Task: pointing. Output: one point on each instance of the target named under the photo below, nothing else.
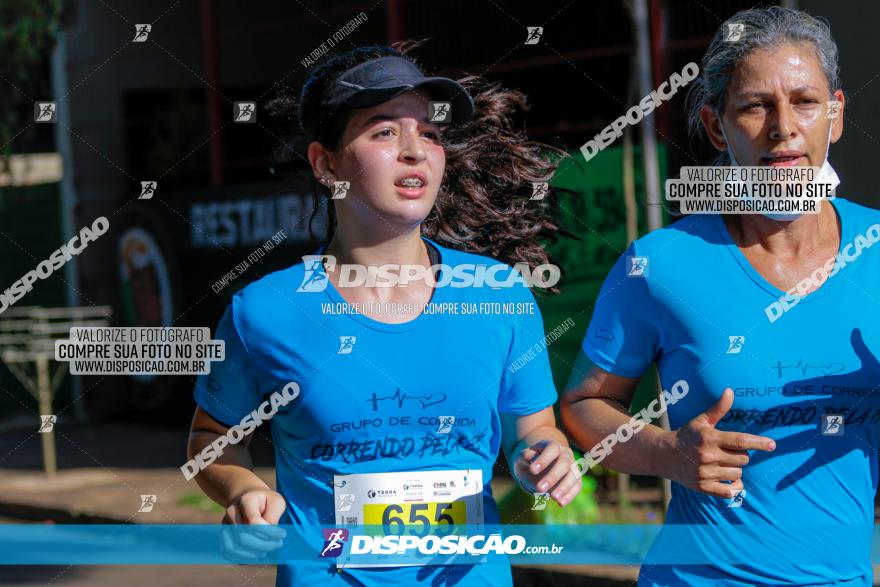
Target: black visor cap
(379, 80)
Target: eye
(385, 132)
(755, 105)
(432, 134)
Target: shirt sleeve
(527, 382)
(231, 390)
(623, 335)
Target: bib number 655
(397, 517)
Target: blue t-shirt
(371, 394)
(686, 298)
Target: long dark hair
(483, 205)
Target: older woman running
(771, 320)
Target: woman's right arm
(595, 404)
(230, 480)
(697, 455)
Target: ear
(321, 160)
(712, 124)
(837, 123)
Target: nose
(411, 148)
(782, 126)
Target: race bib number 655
(413, 503)
(395, 517)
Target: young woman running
(404, 393)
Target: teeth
(411, 182)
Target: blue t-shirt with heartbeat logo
(804, 372)
(373, 395)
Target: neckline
(437, 296)
(759, 279)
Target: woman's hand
(546, 467)
(255, 507)
(704, 459)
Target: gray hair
(763, 28)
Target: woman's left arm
(539, 456)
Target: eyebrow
(381, 117)
(758, 94)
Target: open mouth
(410, 182)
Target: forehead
(788, 66)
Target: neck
(784, 239)
(367, 247)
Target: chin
(410, 208)
(401, 213)
(411, 216)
